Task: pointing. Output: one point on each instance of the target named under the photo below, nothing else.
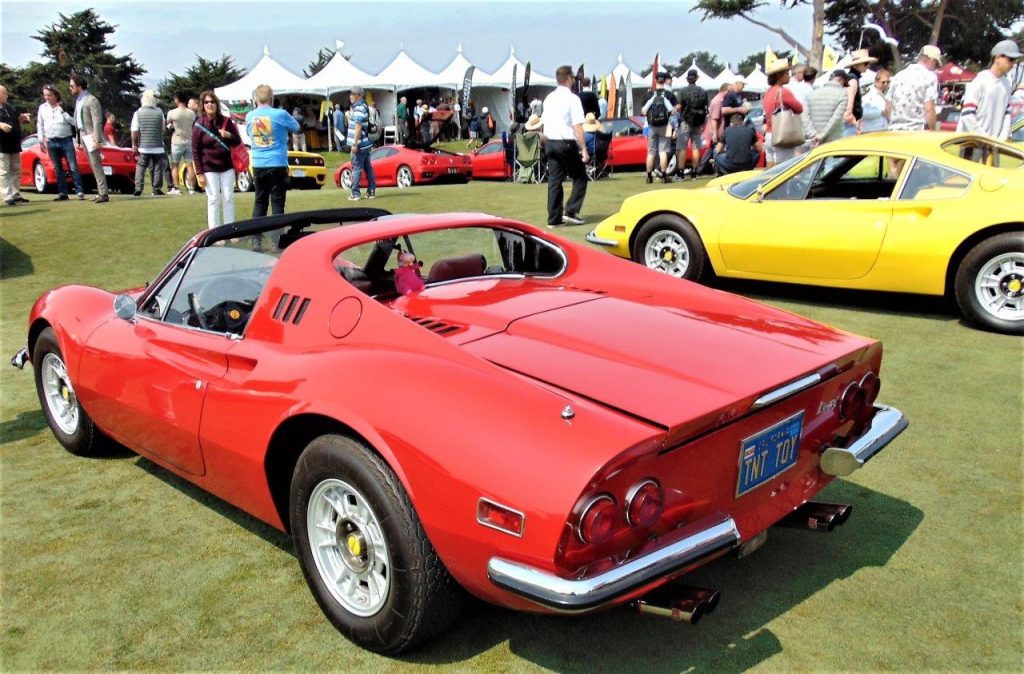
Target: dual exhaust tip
(686, 603)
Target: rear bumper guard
(887, 423)
(19, 359)
(679, 549)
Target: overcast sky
(165, 35)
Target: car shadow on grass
(793, 566)
(15, 262)
(25, 425)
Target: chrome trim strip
(593, 238)
(887, 423)
(19, 359)
(786, 391)
(681, 548)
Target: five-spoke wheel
(989, 283)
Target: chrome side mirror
(758, 196)
(125, 308)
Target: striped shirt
(986, 106)
(359, 114)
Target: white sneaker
(353, 197)
(191, 191)
(173, 190)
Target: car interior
(841, 177)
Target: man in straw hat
(913, 92)
(854, 109)
(986, 106)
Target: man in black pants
(566, 150)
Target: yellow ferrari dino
(930, 213)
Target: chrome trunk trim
(789, 389)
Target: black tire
(421, 598)
(675, 248)
(998, 304)
(78, 435)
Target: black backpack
(657, 114)
(696, 111)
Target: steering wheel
(223, 302)
(228, 316)
(193, 304)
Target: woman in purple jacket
(213, 136)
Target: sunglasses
(209, 102)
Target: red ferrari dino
(545, 426)
(397, 165)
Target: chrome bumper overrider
(887, 423)
(593, 238)
(19, 359)
(681, 548)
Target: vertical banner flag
(512, 95)
(629, 93)
(654, 73)
(467, 86)
(828, 60)
(612, 96)
(526, 87)
(623, 95)
(578, 86)
(769, 57)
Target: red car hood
(662, 364)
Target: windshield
(745, 188)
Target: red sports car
(489, 162)
(37, 170)
(548, 427)
(402, 166)
(629, 146)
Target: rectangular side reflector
(502, 518)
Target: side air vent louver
(434, 325)
(290, 308)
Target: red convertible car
(37, 170)
(489, 162)
(547, 427)
(397, 165)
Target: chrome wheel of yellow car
(670, 245)
(990, 283)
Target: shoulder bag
(239, 153)
(787, 128)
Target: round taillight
(644, 504)
(598, 520)
(871, 385)
(851, 402)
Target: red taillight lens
(871, 385)
(852, 401)
(500, 517)
(644, 504)
(424, 159)
(598, 520)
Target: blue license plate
(769, 453)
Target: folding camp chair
(529, 162)
(597, 167)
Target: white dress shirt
(562, 111)
(53, 122)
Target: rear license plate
(108, 170)
(769, 453)
(298, 173)
(453, 170)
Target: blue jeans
(58, 149)
(361, 162)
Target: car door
(146, 380)
(489, 161)
(826, 220)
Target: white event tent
(727, 76)
(757, 81)
(266, 71)
(452, 75)
(491, 91)
(640, 85)
(704, 81)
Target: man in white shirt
(55, 130)
(799, 85)
(913, 92)
(876, 106)
(986, 105)
(566, 150)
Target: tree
(202, 75)
(744, 9)
(706, 61)
(77, 43)
(323, 57)
(964, 29)
(747, 64)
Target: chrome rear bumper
(679, 549)
(593, 238)
(19, 359)
(887, 423)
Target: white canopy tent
(704, 81)
(727, 76)
(452, 75)
(266, 71)
(757, 81)
(491, 91)
(339, 74)
(640, 85)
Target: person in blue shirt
(361, 143)
(268, 129)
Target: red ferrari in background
(489, 162)
(397, 165)
(545, 426)
(38, 171)
(629, 146)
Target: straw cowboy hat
(861, 56)
(777, 66)
(533, 123)
(591, 124)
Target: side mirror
(758, 196)
(125, 308)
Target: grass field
(117, 564)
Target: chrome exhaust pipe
(823, 517)
(681, 603)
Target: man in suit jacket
(89, 119)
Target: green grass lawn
(117, 564)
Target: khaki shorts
(658, 141)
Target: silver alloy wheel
(404, 177)
(39, 177)
(348, 546)
(59, 394)
(346, 179)
(999, 286)
(666, 251)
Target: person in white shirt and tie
(566, 150)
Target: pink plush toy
(407, 276)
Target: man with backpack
(658, 108)
(695, 115)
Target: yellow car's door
(825, 221)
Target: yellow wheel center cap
(235, 314)
(64, 393)
(668, 256)
(1015, 285)
(355, 547)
